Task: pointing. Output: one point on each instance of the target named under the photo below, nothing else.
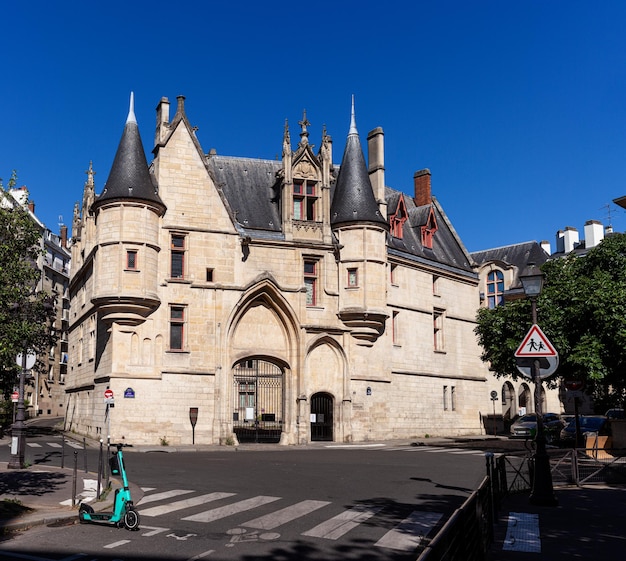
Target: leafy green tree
(582, 310)
(25, 312)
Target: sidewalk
(588, 523)
(47, 491)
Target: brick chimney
(421, 181)
(31, 206)
(63, 236)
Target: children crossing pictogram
(535, 344)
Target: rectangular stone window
(177, 252)
(310, 281)
(438, 339)
(393, 274)
(395, 339)
(177, 327)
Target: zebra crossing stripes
(229, 510)
(341, 524)
(54, 444)
(280, 517)
(163, 496)
(410, 532)
(405, 536)
(180, 505)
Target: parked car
(614, 414)
(526, 426)
(588, 423)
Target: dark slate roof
(251, 188)
(518, 255)
(129, 177)
(447, 249)
(353, 198)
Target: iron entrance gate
(322, 416)
(258, 401)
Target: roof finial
(304, 134)
(353, 120)
(131, 112)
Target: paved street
(367, 503)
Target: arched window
(495, 289)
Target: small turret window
(353, 278)
(131, 260)
(304, 199)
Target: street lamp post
(542, 491)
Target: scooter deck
(100, 516)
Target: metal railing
(468, 533)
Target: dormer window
(397, 220)
(429, 229)
(304, 199)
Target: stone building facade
(228, 299)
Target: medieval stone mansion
(227, 299)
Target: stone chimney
(162, 120)
(594, 233)
(376, 159)
(567, 240)
(545, 245)
(421, 182)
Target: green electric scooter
(124, 514)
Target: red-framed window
(353, 277)
(304, 199)
(397, 220)
(311, 281)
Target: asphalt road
(370, 504)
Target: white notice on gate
(313, 418)
(249, 413)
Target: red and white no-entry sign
(108, 394)
(15, 397)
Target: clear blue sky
(516, 107)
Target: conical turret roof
(354, 197)
(129, 177)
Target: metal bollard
(74, 477)
(85, 452)
(62, 451)
(99, 471)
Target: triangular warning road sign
(535, 344)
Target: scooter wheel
(84, 509)
(131, 519)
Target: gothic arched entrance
(322, 416)
(258, 407)
(525, 400)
